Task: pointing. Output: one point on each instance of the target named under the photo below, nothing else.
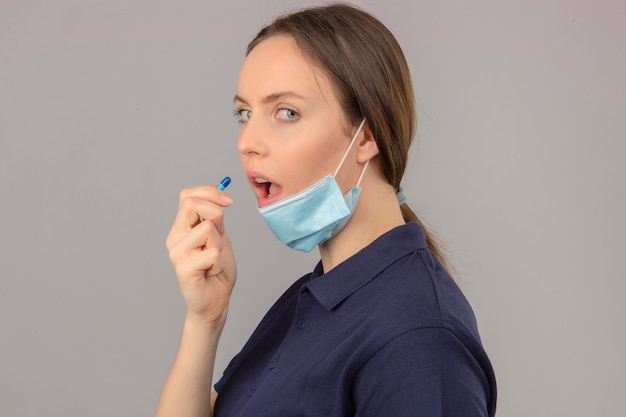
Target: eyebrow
(272, 97)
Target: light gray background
(108, 108)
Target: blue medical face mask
(314, 215)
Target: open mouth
(264, 187)
(267, 191)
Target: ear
(366, 145)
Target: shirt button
(301, 324)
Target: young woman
(379, 328)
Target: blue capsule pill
(223, 184)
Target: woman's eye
(287, 114)
(242, 115)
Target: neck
(376, 213)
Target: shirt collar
(339, 283)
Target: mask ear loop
(345, 155)
(362, 173)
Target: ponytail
(432, 241)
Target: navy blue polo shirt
(385, 333)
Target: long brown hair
(367, 67)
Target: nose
(251, 142)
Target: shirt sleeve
(219, 384)
(425, 372)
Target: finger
(209, 193)
(194, 202)
(197, 266)
(203, 236)
(214, 255)
(193, 208)
(198, 208)
(200, 266)
(188, 217)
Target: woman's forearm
(187, 390)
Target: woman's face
(293, 132)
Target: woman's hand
(202, 254)
(205, 266)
